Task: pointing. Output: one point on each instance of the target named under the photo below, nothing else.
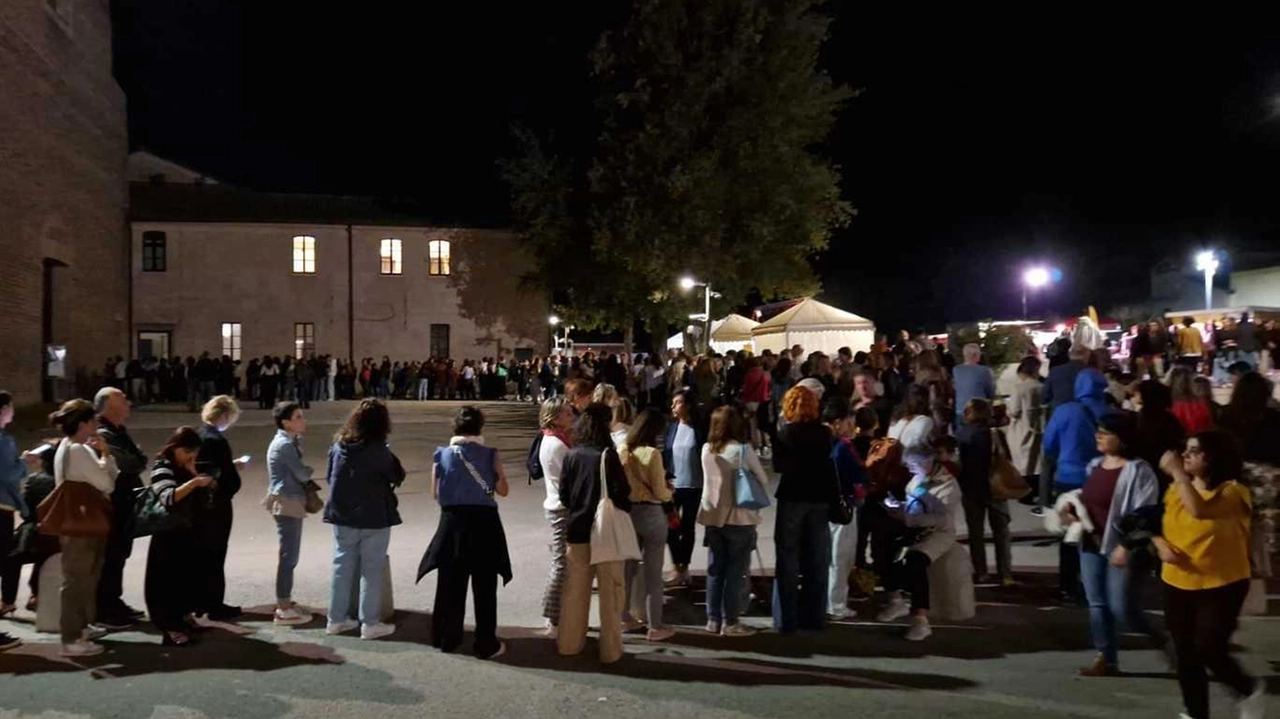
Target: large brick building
(63, 145)
(227, 270)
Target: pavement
(1016, 658)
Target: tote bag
(747, 491)
(75, 509)
(1006, 481)
(613, 536)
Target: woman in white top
(555, 419)
(82, 457)
(731, 530)
(914, 429)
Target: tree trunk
(628, 339)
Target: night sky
(973, 150)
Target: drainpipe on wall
(351, 299)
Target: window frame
(303, 253)
(390, 256)
(306, 342)
(153, 240)
(439, 264)
(232, 343)
(433, 346)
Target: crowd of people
(878, 454)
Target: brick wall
(242, 272)
(63, 145)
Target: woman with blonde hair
(605, 394)
(806, 490)
(217, 460)
(555, 420)
(624, 413)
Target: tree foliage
(703, 159)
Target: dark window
(154, 252)
(440, 340)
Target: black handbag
(840, 511)
(152, 516)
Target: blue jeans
(367, 550)
(1105, 587)
(804, 550)
(728, 563)
(289, 530)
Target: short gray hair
(100, 399)
(972, 350)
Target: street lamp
(1207, 262)
(687, 283)
(554, 320)
(1034, 279)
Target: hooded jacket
(1069, 438)
(362, 479)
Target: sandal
(176, 639)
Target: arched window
(438, 257)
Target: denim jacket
(1136, 487)
(12, 471)
(284, 466)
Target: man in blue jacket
(1058, 389)
(1069, 445)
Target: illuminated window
(438, 262)
(153, 251)
(231, 339)
(390, 258)
(304, 339)
(304, 255)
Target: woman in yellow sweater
(1205, 550)
(642, 461)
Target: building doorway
(153, 344)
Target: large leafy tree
(703, 158)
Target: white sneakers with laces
(896, 609)
(376, 631)
(342, 627)
(919, 630)
(82, 648)
(291, 616)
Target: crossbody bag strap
(475, 475)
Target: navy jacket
(1059, 388)
(362, 481)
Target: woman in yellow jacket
(642, 461)
(1205, 550)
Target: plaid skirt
(559, 521)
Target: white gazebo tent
(732, 333)
(815, 326)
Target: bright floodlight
(1036, 277)
(1207, 261)
(688, 283)
(554, 319)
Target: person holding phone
(82, 456)
(216, 459)
(286, 500)
(172, 582)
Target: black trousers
(171, 584)
(911, 575)
(119, 549)
(451, 607)
(212, 553)
(681, 540)
(1201, 623)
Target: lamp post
(688, 283)
(1033, 279)
(1207, 262)
(554, 320)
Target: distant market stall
(732, 333)
(815, 326)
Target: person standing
(1026, 424)
(215, 458)
(974, 442)
(113, 409)
(362, 507)
(1204, 545)
(642, 462)
(469, 544)
(331, 392)
(1193, 413)
(853, 485)
(591, 470)
(172, 580)
(682, 458)
(14, 468)
(286, 500)
(306, 382)
(555, 421)
(269, 380)
(82, 456)
(730, 530)
(806, 490)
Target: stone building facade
(242, 273)
(63, 146)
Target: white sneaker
(549, 630)
(920, 629)
(896, 609)
(839, 613)
(93, 631)
(1254, 706)
(376, 631)
(341, 627)
(291, 616)
(713, 627)
(81, 648)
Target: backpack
(885, 472)
(533, 463)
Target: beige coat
(1026, 426)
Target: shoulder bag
(748, 493)
(475, 475)
(1006, 481)
(841, 510)
(613, 536)
(152, 516)
(74, 509)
